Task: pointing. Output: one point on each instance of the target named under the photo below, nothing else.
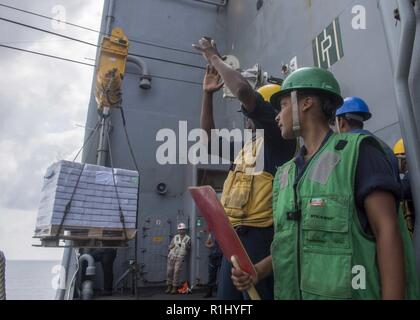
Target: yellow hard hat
(268, 90)
(399, 147)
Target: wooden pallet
(81, 233)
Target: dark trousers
(257, 242)
(214, 266)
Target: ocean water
(30, 280)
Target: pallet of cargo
(84, 202)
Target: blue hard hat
(354, 105)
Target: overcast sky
(43, 104)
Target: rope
(122, 218)
(2, 276)
(68, 205)
(92, 133)
(133, 158)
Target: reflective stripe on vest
(181, 245)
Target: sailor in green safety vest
(321, 248)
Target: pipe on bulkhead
(102, 151)
(145, 78)
(87, 291)
(110, 17)
(387, 7)
(413, 85)
(405, 107)
(65, 263)
(87, 285)
(91, 269)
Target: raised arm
(236, 83)
(211, 84)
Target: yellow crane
(109, 75)
(111, 69)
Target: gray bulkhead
(271, 36)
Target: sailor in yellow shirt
(247, 192)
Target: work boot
(209, 293)
(168, 289)
(174, 290)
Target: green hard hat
(311, 78)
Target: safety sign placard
(328, 46)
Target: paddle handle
(252, 292)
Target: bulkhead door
(154, 241)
